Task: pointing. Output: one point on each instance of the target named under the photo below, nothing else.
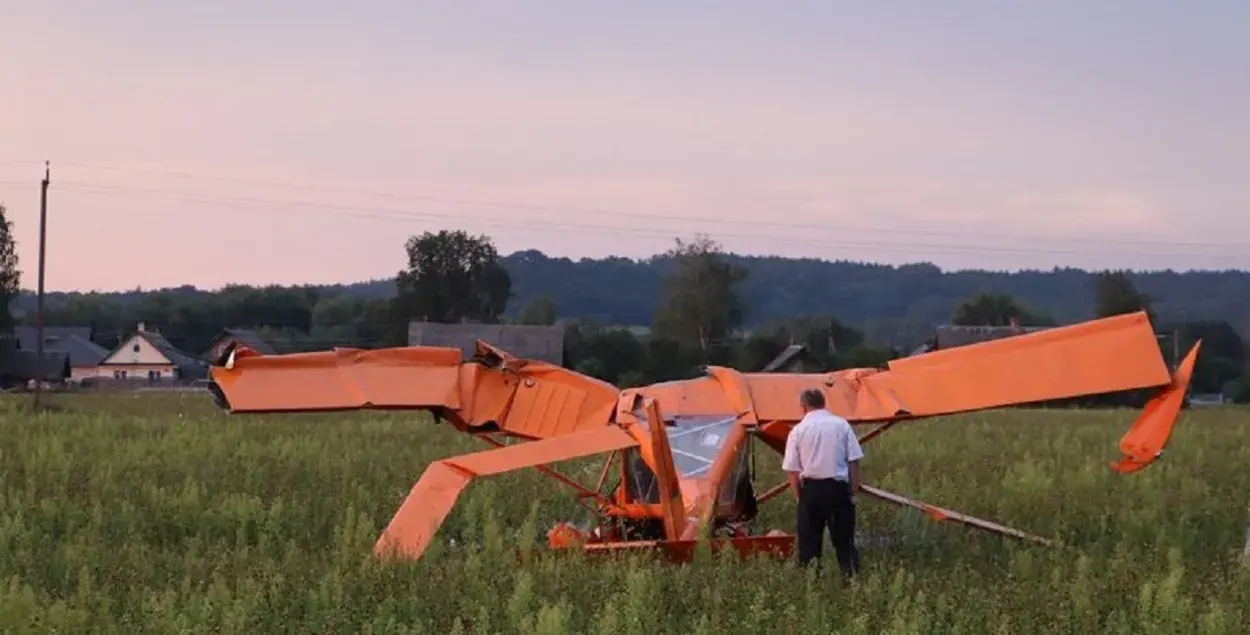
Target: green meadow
(160, 514)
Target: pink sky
(304, 141)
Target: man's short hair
(812, 398)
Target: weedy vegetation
(160, 514)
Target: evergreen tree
(10, 275)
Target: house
(794, 359)
(527, 341)
(241, 337)
(19, 367)
(148, 356)
(75, 341)
(955, 335)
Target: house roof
(188, 366)
(27, 334)
(171, 352)
(786, 360)
(247, 338)
(526, 341)
(951, 336)
(74, 341)
(20, 364)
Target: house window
(154, 375)
(136, 347)
(119, 374)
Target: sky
(289, 141)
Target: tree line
(632, 322)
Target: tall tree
(996, 309)
(699, 304)
(10, 275)
(540, 311)
(1115, 294)
(452, 277)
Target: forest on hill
(893, 305)
(635, 321)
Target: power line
(394, 214)
(664, 216)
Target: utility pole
(1176, 348)
(43, 242)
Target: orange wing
(529, 399)
(1113, 354)
(1108, 355)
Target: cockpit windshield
(695, 441)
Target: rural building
(954, 335)
(545, 343)
(242, 337)
(18, 367)
(148, 356)
(951, 336)
(794, 359)
(74, 341)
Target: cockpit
(696, 441)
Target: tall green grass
(159, 514)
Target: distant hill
(892, 303)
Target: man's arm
(853, 454)
(791, 463)
(793, 478)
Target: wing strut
(432, 498)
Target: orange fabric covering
(343, 378)
(1102, 356)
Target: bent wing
(1109, 355)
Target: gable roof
(188, 367)
(28, 335)
(74, 341)
(793, 356)
(175, 356)
(527, 341)
(16, 363)
(247, 338)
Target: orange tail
(1145, 440)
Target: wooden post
(43, 231)
(1176, 348)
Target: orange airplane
(679, 448)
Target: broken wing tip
(1129, 465)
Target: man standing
(822, 463)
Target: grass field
(160, 514)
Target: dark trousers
(827, 503)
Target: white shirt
(822, 445)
